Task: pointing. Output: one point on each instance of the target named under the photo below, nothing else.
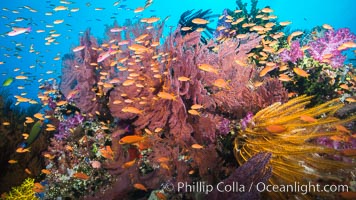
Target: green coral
(24, 191)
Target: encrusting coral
(289, 132)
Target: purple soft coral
(65, 126)
(325, 49)
(224, 127)
(292, 55)
(246, 120)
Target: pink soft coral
(325, 49)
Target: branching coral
(288, 131)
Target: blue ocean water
(40, 64)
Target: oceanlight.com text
(203, 187)
(301, 188)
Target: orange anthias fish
(265, 70)
(128, 164)
(197, 146)
(307, 118)
(130, 139)
(152, 20)
(276, 128)
(104, 55)
(78, 48)
(200, 21)
(45, 171)
(292, 35)
(81, 175)
(284, 77)
(165, 95)
(327, 27)
(267, 10)
(28, 171)
(196, 106)
(37, 187)
(183, 78)
(300, 72)
(286, 23)
(208, 68)
(140, 186)
(131, 110)
(12, 161)
(346, 45)
(194, 112)
(139, 9)
(221, 83)
(107, 153)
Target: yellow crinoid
(288, 131)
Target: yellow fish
(197, 146)
(12, 161)
(285, 23)
(327, 26)
(265, 70)
(220, 83)
(128, 82)
(196, 106)
(139, 9)
(200, 21)
(131, 110)
(186, 28)
(208, 68)
(193, 112)
(183, 78)
(267, 10)
(60, 8)
(165, 95)
(152, 20)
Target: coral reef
(137, 111)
